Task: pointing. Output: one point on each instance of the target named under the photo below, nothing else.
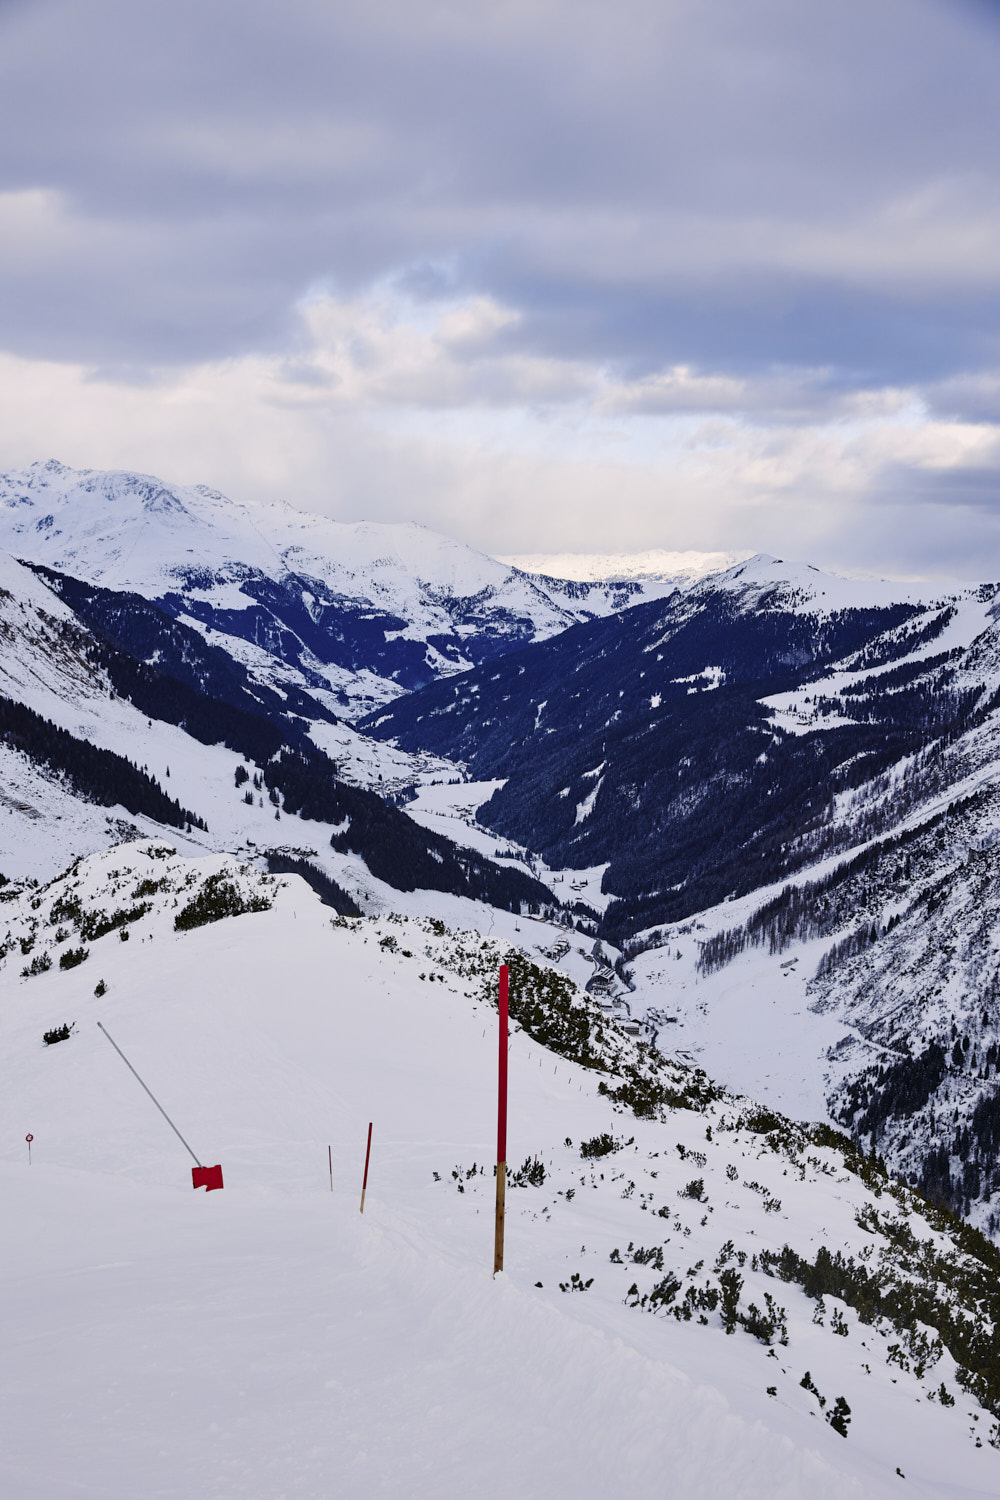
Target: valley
(735, 833)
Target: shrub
(840, 1416)
(599, 1145)
(72, 957)
(217, 898)
(531, 1174)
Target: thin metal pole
(368, 1152)
(156, 1101)
(329, 1152)
(501, 1124)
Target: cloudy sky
(544, 274)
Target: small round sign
(29, 1138)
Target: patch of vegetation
(576, 1283)
(218, 897)
(649, 1096)
(551, 1010)
(531, 1174)
(72, 957)
(38, 965)
(57, 1034)
(600, 1145)
(95, 924)
(956, 1295)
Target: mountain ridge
(359, 610)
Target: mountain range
(749, 818)
(358, 612)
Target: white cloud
(390, 410)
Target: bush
(840, 1417)
(217, 898)
(57, 1034)
(599, 1145)
(531, 1174)
(72, 957)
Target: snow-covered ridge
(364, 609)
(656, 565)
(766, 582)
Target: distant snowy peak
(135, 531)
(362, 609)
(758, 579)
(763, 582)
(678, 569)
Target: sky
(546, 275)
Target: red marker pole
(368, 1152)
(501, 1123)
(29, 1138)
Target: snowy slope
(55, 804)
(268, 1340)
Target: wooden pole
(329, 1152)
(368, 1152)
(501, 1123)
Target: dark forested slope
(641, 742)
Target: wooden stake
(498, 1232)
(501, 1123)
(329, 1152)
(368, 1152)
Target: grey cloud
(973, 397)
(216, 160)
(975, 485)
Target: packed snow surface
(268, 1340)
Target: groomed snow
(268, 1341)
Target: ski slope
(270, 1341)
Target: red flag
(206, 1177)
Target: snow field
(268, 1340)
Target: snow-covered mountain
(769, 801)
(704, 745)
(788, 785)
(656, 565)
(358, 611)
(99, 744)
(693, 1286)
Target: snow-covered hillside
(360, 609)
(97, 746)
(796, 777)
(703, 1296)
